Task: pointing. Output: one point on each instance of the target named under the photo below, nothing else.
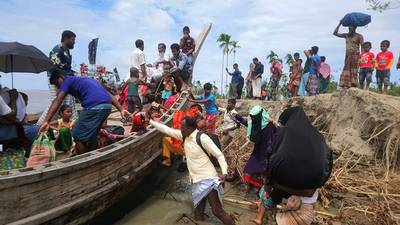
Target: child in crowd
(367, 65)
(105, 138)
(324, 75)
(155, 112)
(384, 61)
(169, 86)
(209, 101)
(133, 90)
(63, 126)
(229, 123)
(313, 83)
(295, 75)
(187, 44)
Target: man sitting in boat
(155, 70)
(13, 129)
(96, 102)
(181, 68)
(207, 185)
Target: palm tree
(235, 45)
(224, 41)
(289, 59)
(272, 56)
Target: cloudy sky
(260, 26)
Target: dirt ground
(363, 130)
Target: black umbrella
(16, 57)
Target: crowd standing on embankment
(275, 168)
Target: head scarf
(301, 159)
(259, 120)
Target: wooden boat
(76, 189)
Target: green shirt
(133, 88)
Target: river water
(157, 210)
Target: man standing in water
(138, 61)
(207, 185)
(62, 59)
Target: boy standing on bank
(384, 61)
(367, 65)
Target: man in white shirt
(229, 123)
(9, 124)
(138, 61)
(155, 70)
(207, 185)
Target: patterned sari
(349, 76)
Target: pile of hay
(363, 129)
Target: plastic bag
(42, 151)
(356, 19)
(12, 159)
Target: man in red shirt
(187, 44)
(384, 61)
(367, 64)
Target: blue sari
(303, 85)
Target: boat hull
(74, 190)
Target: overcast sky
(260, 26)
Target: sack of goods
(301, 159)
(356, 19)
(42, 151)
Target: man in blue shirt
(312, 86)
(182, 69)
(96, 102)
(209, 101)
(237, 82)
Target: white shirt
(198, 163)
(21, 107)
(137, 59)
(4, 108)
(228, 122)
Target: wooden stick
(241, 202)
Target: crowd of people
(275, 168)
(314, 77)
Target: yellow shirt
(198, 163)
(62, 124)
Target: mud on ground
(363, 129)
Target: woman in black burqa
(301, 163)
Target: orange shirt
(367, 60)
(384, 60)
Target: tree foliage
(378, 5)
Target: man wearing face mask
(62, 59)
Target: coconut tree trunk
(222, 73)
(234, 56)
(226, 74)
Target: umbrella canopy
(16, 57)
